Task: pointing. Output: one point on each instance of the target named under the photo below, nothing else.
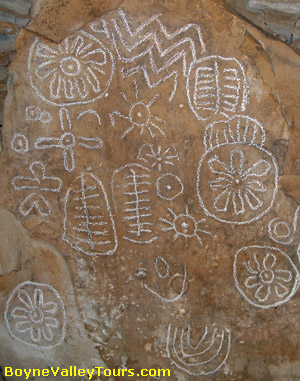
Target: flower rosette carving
(241, 175)
(35, 315)
(265, 276)
(77, 71)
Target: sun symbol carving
(140, 116)
(184, 225)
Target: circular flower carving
(35, 315)
(242, 180)
(265, 276)
(78, 70)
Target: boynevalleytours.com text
(74, 371)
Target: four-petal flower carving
(67, 141)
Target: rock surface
(150, 168)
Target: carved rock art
(35, 315)
(34, 113)
(78, 71)
(133, 203)
(163, 271)
(240, 173)
(67, 141)
(141, 118)
(151, 49)
(19, 144)
(88, 224)
(280, 231)
(205, 357)
(217, 85)
(158, 157)
(169, 186)
(186, 226)
(265, 276)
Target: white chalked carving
(77, 71)
(35, 315)
(19, 144)
(161, 275)
(169, 186)
(217, 85)
(140, 117)
(186, 226)
(35, 202)
(280, 231)
(166, 275)
(157, 157)
(88, 224)
(151, 49)
(132, 200)
(242, 176)
(67, 141)
(90, 112)
(265, 276)
(34, 113)
(203, 358)
(38, 180)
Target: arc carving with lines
(151, 49)
(202, 359)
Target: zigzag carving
(151, 49)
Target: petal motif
(98, 52)
(81, 87)
(43, 143)
(55, 86)
(47, 332)
(50, 308)
(255, 185)
(44, 51)
(219, 167)
(68, 88)
(24, 298)
(220, 183)
(284, 275)
(222, 200)
(252, 281)
(45, 69)
(281, 290)
(259, 169)
(96, 66)
(249, 268)
(69, 161)
(51, 322)
(269, 261)
(23, 326)
(77, 44)
(254, 202)
(20, 313)
(35, 334)
(237, 161)
(262, 293)
(92, 143)
(38, 298)
(238, 202)
(92, 80)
